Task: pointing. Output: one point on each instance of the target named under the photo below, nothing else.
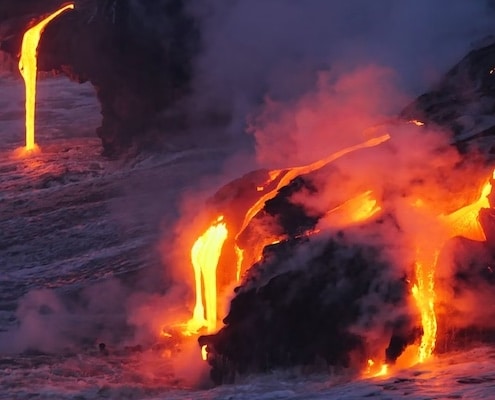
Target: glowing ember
(417, 122)
(205, 254)
(207, 249)
(28, 68)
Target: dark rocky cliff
(137, 54)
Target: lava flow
(360, 208)
(463, 222)
(206, 251)
(205, 254)
(28, 66)
(355, 210)
(296, 171)
(424, 295)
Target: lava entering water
(463, 222)
(28, 66)
(357, 209)
(205, 254)
(424, 295)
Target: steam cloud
(52, 322)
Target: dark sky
(252, 45)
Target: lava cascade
(28, 66)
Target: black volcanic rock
(137, 54)
(465, 288)
(316, 299)
(292, 218)
(320, 299)
(313, 303)
(278, 219)
(463, 102)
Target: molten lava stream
(28, 66)
(463, 222)
(296, 171)
(424, 295)
(355, 210)
(205, 254)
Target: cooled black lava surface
(463, 101)
(311, 305)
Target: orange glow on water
(24, 152)
(28, 66)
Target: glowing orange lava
(205, 254)
(204, 353)
(417, 122)
(206, 251)
(28, 68)
(463, 222)
(305, 169)
(424, 295)
(355, 210)
(240, 257)
(375, 370)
